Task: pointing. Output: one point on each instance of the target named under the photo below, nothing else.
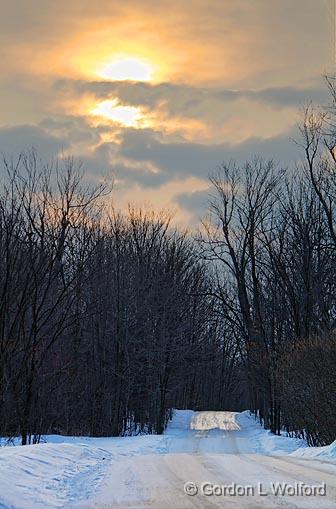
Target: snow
(327, 453)
(49, 475)
(264, 441)
(150, 471)
(214, 420)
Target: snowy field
(223, 449)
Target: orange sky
(159, 93)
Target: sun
(127, 69)
(129, 116)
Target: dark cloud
(74, 129)
(279, 96)
(139, 152)
(145, 157)
(14, 140)
(184, 159)
(179, 99)
(196, 202)
(106, 160)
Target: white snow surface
(327, 453)
(150, 471)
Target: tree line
(106, 320)
(110, 320)
(271, 236)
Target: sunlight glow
(127, 69)
(126, 115)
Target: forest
(109, 320)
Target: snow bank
(49, 475)
(265, 441)
(65, 470)
(278, 445)
(327, 453)
(180, 423)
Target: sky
(159, 93)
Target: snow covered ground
(211, 450)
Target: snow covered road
(221, 449)
(226, 457)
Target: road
(224, 450)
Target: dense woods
(110, 320)
(107, 321)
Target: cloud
(200, 114)
(196, 202)
(224, 42)
(180, 99)
(14, 140)
(281, 97)
(144, 162)
(147, 157)
(182, 159)
(228, 79)
(75, 129)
